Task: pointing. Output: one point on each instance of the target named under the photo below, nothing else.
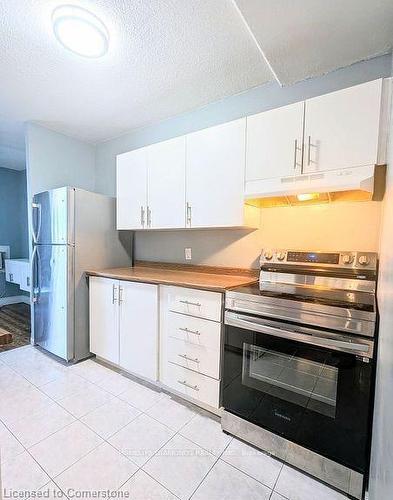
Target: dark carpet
(15, 318)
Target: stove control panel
(355, 260)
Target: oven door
(310, 386)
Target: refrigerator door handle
(36, 234)
(35, 273)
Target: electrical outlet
(188, 253)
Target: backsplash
(340, 226)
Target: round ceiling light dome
(80, 31)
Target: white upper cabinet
(342, 128)
(132, 190)
(215, 168)
(274, 142)
(166, 166)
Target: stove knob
(364, 260)
(268, 255)
(347, 258)
(280, 255)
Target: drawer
(195, 357)
(197, 303)
(194, 385)
(196, 331)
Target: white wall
(381, 474)
(55, 160)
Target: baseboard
(16, 299)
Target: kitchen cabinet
(139, 328)
(215, 169)
(124, 324)
(342, 128)
(132, 190)
(18, 271)
(151, 186)
(190, 343)
(104, 318)
(166, 184)
(275, 142)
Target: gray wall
(13, 221)
(381, 475)
(302, 227)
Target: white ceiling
(167, 57)
(306, 38)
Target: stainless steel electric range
(299, 362)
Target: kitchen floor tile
(104, 468)
(90, 370)
(180, 466)
(171, 413)
(253, 462)
(62, 449)
(22, 473)
(86, 400)
(206, 432)
(115, 383)
(22, 404)
(41, 424)
(52, 492)
(224, 482)
(9, 445)
(140, 396)
(294, 485)
(143, 487)
(11, 382)
(65, 386)
(276, 496)
(141, 438)
(110, 418)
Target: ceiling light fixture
(80, 31)
(307, 196)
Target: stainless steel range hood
(349, 184)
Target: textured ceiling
(305, 38)
(166, 57)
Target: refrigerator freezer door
(53, 217)
(53, 296)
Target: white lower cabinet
(104, 318)
(190, 344)
(124, 324)
(139, 328)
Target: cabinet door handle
(189, 213)
(309, 151)
(142, 217)
(188, 303)
(193, 387)
(27, 281)
(187, 330)
(295, 156)
(120, 294)
(148, 217)
(184, 356)
(11, 277)
(114, 297)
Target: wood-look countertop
(201, 277)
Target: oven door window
(289, 377)
(316, 397)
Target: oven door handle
(364, 349)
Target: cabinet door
(215, 165)
(139, 328)
(274, 142)
(132, 189)
(166, 162)
(342, 128)
(104, 318)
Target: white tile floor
(86, 427)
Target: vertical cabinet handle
(188, 215)
(148, 217)
(120, 294)
(114, 294)
(142, 217)
(309, 151)
(295, 156)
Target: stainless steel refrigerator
(73, 231)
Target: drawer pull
(188, 303)
(184, 356)
(193, 387)
(195, 332)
